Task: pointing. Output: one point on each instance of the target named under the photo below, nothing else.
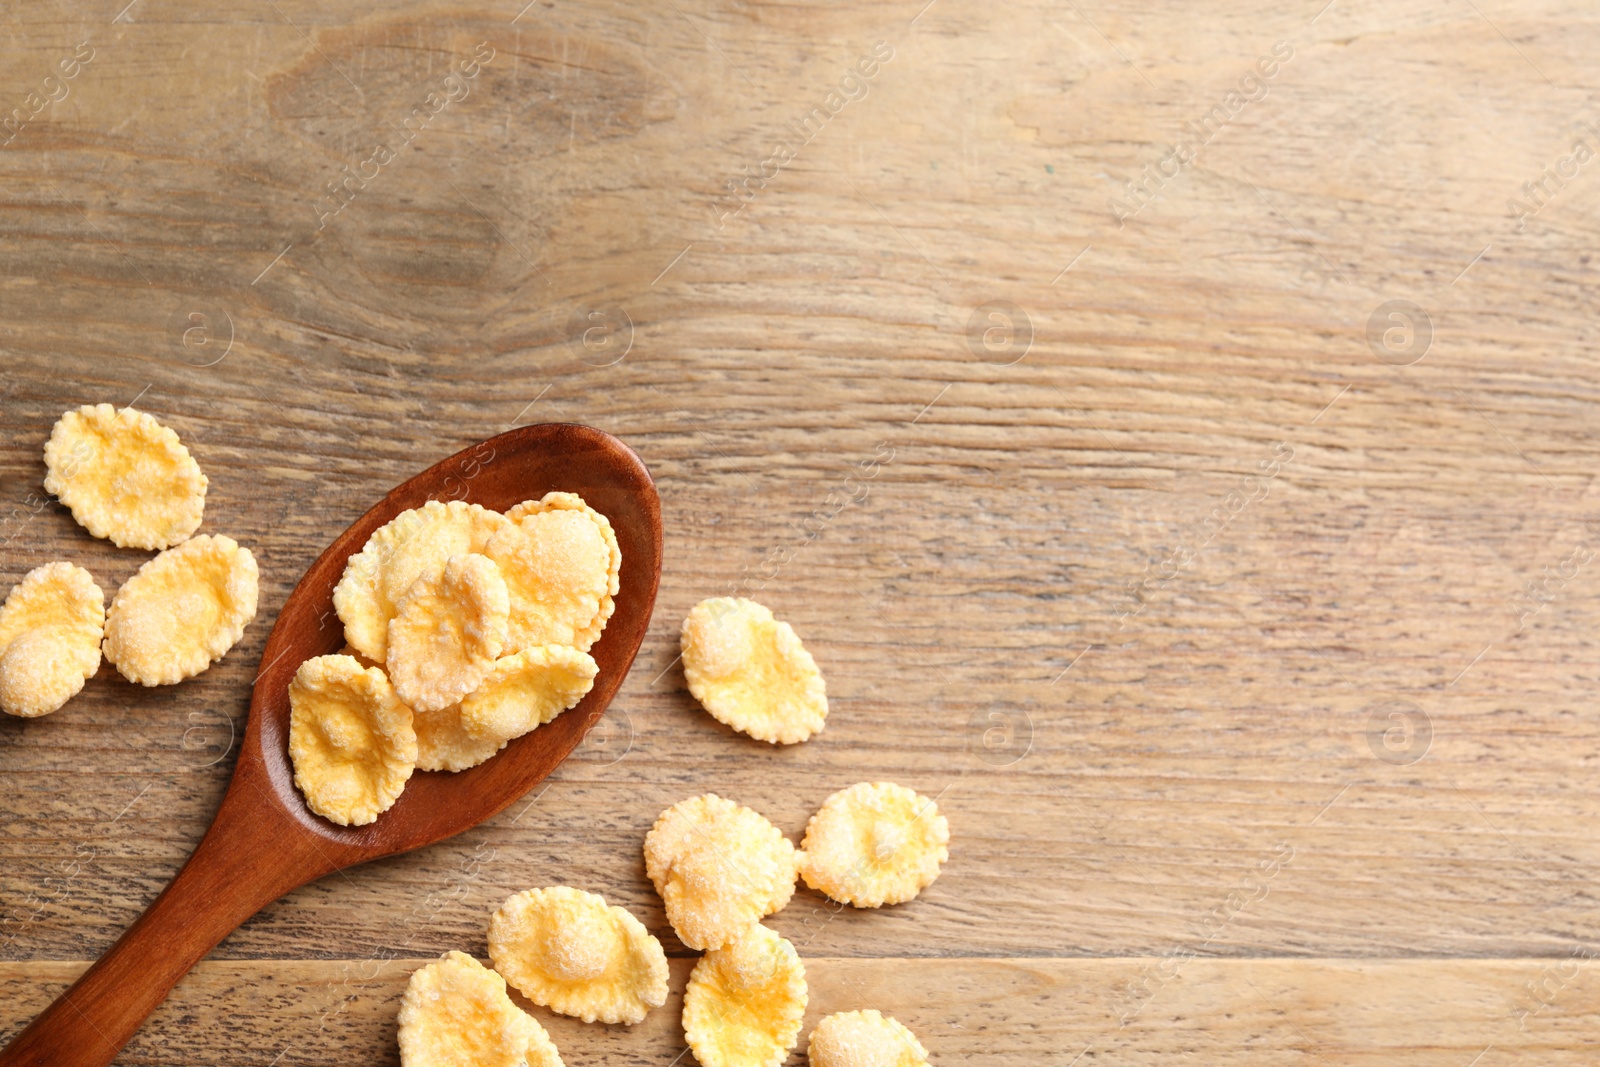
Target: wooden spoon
(264, 840)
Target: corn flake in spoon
(447, 631)
(351, 740)
(561, 564)
(413, 543)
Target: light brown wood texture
(1124, 705)
(1047, 1011)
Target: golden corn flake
(351, 739)
(447, 631)
(522, 691)
(571, 952)
(751, 672)
(125, 476)
(745, 1001)
(444, 743)
(874, 843)
(50, 630)
(182, 610)
(719, 868)
(413, 543)
(864, 1039)
(561, 563)
(526, 690)
(456, 1013)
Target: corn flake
(447, 631)
(751, 672)
(182, 610)
(522, 691)
(719, 868)
(864, 1039)
(50, 630)
(874, 843)
(444, 744)
(125, 476)
(571, 952)
(561, 564)
(744, 1002)
(526, 690)
(351, 739)
(413, 543)
(456, 1013)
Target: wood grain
(1438, 1012)
(1126, 699)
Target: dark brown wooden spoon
(264, 840)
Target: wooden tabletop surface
(1216, 392)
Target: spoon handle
(253, 854)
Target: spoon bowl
(264, 841)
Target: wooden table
(1227, 570)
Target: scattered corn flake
(182, 610)
(571, 952)
(445, 744)
(527, 689)
(414, 542)
(744, 1002)
(456, 1013)
(50, 630)
(874, 843)
(751, 672)
(719, 868)
(351, 739)
(864, 1039)
(561, 564)
(447, 631)
(125, 476)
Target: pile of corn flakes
(720, 869)
(466, 629)
(125, 477)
